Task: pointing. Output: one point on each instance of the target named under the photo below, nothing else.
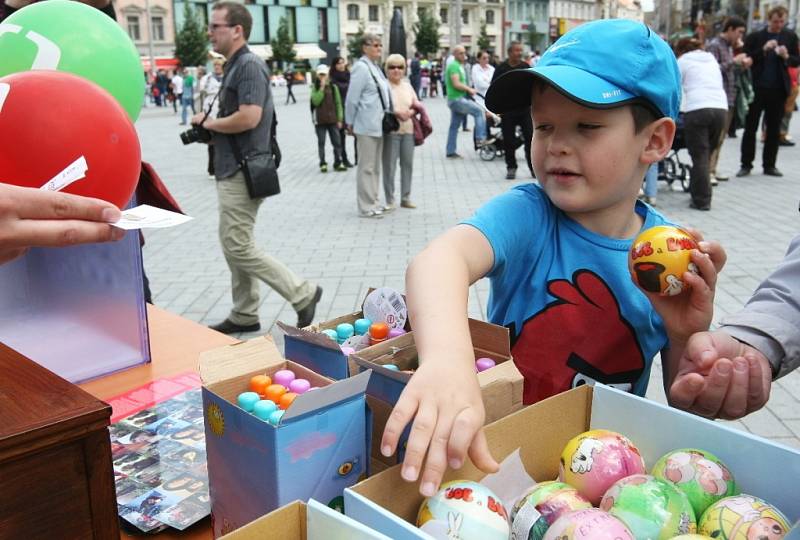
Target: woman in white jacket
(705, 107)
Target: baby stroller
(496, 145)
(671, 169)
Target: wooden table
(175, 344)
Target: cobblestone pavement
(312, 226)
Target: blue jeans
(459, 109)
(186, 104)
(651, 181)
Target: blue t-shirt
(567, 297)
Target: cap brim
(512, 91)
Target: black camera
(196, 134)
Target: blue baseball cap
(601, 64)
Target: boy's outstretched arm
(443, 397)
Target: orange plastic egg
(379, 330)
(274, 392)
(259, 384)
(659, 257)
(286, 400)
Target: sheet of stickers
(160, 464)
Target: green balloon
(76, 38)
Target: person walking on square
(340, 77)
(176, 84)
(289, 83)
(326, 111)
(187, 97)
(367, 99)
(209, 88)
(461, 107)
(773, 50)
(721, 48)
(415, 75)
(512, 119)
(399, 145)
(705, 108)
(243, 127)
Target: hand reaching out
(32, 217)
(720, 377)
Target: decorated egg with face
(698, 474)
(743, 517)
(650, 507)
(541, 506)
(589, 524)
(594, 460)
(659, 257)
(469, 510)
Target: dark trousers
(210, 159)
(289, 94)
(769, 101)
(343, 138)
(702, 129)
(333, 133)
(509, 127)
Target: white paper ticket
(149, 217)
(74, 172)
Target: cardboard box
(386, 503)
(501, 386)
(320, 446)
(316, 351)
(298, 521)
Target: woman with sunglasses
(399, 144)
(367, 99)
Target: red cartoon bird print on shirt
(578, 338)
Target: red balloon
(50, 119)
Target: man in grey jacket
(728, 373)
(367, 98)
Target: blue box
(320, 446)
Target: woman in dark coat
(340, 77)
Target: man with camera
(243, 127)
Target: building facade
(313, 25)
(157, 37)
(376, 17)
(527, 21)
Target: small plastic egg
(247, 400)
(263, 408)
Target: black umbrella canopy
(397, 34)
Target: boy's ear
(661, 133)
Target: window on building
(373, 14)
(465, 16)
(352, 12)
(291, 22)
(443, 15)
(322, 23)
(490, 16)
(158, 28)
(133, 27)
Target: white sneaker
(714, 181)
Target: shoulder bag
(260, 169)
(390, 122)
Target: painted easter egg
(589, 524)
(698, 474)
(470, 510)
(742, 517)
(650, 507)
(594, 460)
(659, 257)
(533, 514)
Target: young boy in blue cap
(604, 99)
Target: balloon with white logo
(76, 38)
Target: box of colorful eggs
(276, 431)
(394, 362)
(609, 465)
(325, 347)
(301, 521)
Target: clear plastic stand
(78, 311)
